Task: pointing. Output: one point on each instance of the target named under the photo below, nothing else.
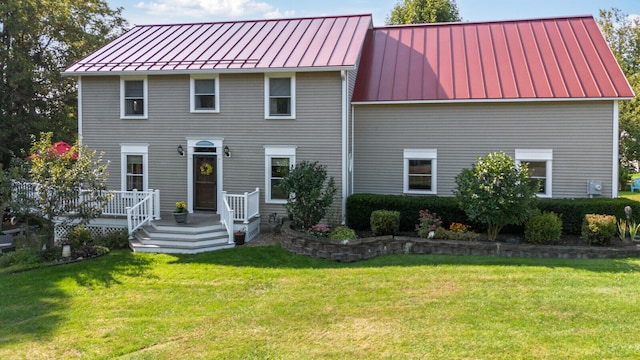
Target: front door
(205, 187)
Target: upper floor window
(133, 97)
(204, 93)
(280, 98)
(420, 171)
(540, 163)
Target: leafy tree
(59, 179)
(496, 192)
(310, 197)
(37, 39)
(424, 11)
(623, 36)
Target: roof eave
(447, 101)
(207, 71)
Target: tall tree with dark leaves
(623, 35)
(38, 38)
(424, 11)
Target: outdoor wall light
(227, 152)
(180, 150)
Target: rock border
(367, 248)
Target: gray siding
(316, 131)
(579, 133)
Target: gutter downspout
(616, 150)
(80, 111)
(345, 142)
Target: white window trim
(134, 149)
(267, 77)
(145, 95)
(524, 155)
(192, 92)
(276, 151)
(421, 154)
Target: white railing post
(245, 205)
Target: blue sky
(178, 11)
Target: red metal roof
(524, 59)
(314, 43)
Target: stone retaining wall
(362, 249)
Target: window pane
(419, 182)
(279, 87)
(134, 88)
(538, 168)
(280, 106)
(420, 167)
(205, 86)
(205, 102)
(134, 182)
(276, 192)
(134, 107)
(279, 167)
(134, 164)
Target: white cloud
(207, 9)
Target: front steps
(201, 233)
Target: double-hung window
(280, 97)
(539, 162)
(420, 171)
(204, 93)
(134, 167)
(133, 97)
(278, 161)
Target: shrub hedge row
(571, 211)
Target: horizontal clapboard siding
(316, 131)
(579, 133)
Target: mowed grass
(265, 303)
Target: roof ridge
(460, 23)
(255, 20)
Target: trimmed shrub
(360, 206)
(343, 233)
(455, 235)
(572, 211)
(544, 228)
(385, 222)
(114, 240)
(599, 229)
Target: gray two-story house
(204, 111)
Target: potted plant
(239, 235)
(180, 213)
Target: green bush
(572, 211)
(343, 233)
(544, 228)
(385, 222)
(24, 256)
(360, 206)
(599, 229)
(114, 240)
(78, 236)
(455, 235)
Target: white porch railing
(226, 218)
(245, 206)
(141, 213)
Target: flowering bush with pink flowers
(320, 230)
(429, 221)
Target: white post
(156, 205)
(246, 208)
(129, 224)
(258, 201)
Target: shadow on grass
(33, 302)
(277, 257)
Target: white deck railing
(226, 218)
(141, 213)
(245, 206)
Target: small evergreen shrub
(78, 236)
(429, 221)
(385, 222)
(544, 228)
(466, 235)
(599, 229)
(343, 233)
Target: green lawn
(265, 303)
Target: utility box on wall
(594, 187)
